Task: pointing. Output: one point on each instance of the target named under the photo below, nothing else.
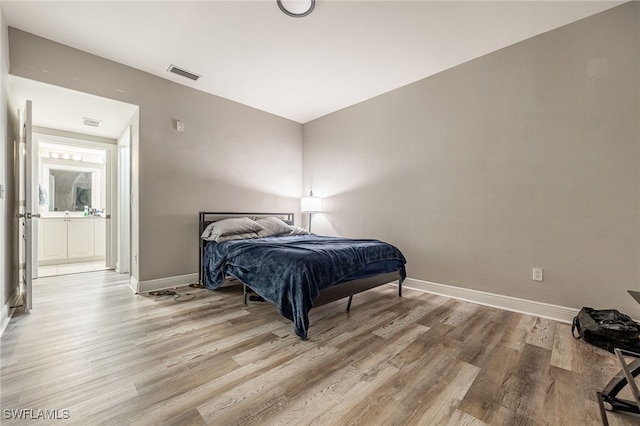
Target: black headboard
(206, 218)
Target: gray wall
(230, 156)
(526, 157)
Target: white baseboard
(7, 310)
(529, 307)
(163, 283)
(133, 284)
(523, 306)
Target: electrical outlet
(537, 274)
(135, 257)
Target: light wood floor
(93, 348)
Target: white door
(26, 207)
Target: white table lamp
(311, 205)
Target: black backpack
(607, 329)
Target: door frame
(123, 251)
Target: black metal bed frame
(203, 223)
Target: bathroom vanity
(70, 239)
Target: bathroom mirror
(70, 190)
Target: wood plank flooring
(93, 348)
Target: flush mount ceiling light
(297, 8)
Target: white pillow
(296, 230)
(232, 226)
(272, 226)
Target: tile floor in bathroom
(70, 268)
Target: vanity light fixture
(296, 8)
(74, 157)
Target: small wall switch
(1, 190)
(537, 274)
(135, 258)
(179, 126)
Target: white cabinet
(80, 238)
(100, 237)
(75, 239)
(52, 239)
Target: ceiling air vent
(92, 122)
(183, 73)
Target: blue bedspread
(290, 271)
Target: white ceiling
(298, 68)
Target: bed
(289, 267)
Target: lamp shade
(310, 204)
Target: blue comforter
(290, 271)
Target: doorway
(74, 199)
(69, 123)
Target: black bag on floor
(607, 329)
